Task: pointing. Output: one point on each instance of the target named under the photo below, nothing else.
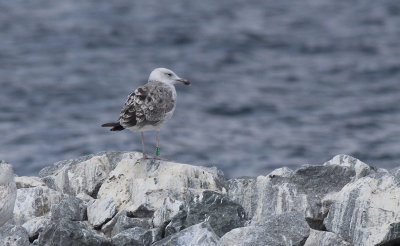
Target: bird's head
(166, 76)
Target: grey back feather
(147, 105)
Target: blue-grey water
(275, 83)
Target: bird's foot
(160, 158)
(146, 157)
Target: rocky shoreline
(115, 198)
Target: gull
(150, 106)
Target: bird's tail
(116, 126)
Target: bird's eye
(169, 74)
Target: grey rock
(366, 212)
(107, 228)
(85, 197)
(221, 213)
(200, 235)
(176, 224)
(70, 208)
(121, 222)
(8, 192)
(325, 238)
(133, 236)
(70, 233)
(301, 190)
(125, 222)
(13, 235)
(156, 234)
(143, 211)
(276, 230)
(34, 202)
(241, 190)
(101, 211)
(35, 226)
(361, 169)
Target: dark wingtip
(110, 124)
(117, 128)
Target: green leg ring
(157, 151)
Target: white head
(166, 76)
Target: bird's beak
(183, 81)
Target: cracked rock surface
(117, 198)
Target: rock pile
(116, 198)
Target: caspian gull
(150, 106)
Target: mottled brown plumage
(147, 105)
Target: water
(275, 83)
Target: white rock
(148, 182)
(28, 182)
(325, 238)
(82, 177)
(34, 202)
(367, 211)
(84, 197)
(101, 211)
(170, 208)
(36, 225)
(360, 167)
(8, 193)
(200, 235)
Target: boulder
(136, 183)
(200, 235)
(13, 235)
(28, 182)
(242, 190)
(84, 174)
(157, 234)
(121, 222)
(34, 202)
(8, 192)
(70, 208)
(221, 213)
(101, 211)
(133, 236)
(82, 177)
(67, 233)
(169, 209)
(284, 229)
(36, 226)
(367, 211)
(360, 168)
(124, 222)
(301, 190)
(325, 238)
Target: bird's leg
(157, 143)
(144, 153)
(158, 147)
